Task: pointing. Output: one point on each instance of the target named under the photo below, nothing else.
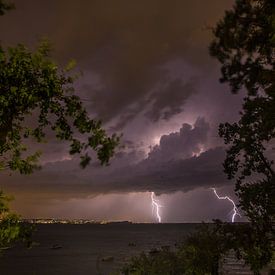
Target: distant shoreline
(84, 221)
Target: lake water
(88, 248)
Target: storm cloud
(181, 145)
(122, 47)
(146, 73)
(176, 164)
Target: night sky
(147, 74)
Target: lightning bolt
(235, 209)
(155, 206)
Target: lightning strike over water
(155, 206)
(235, 209)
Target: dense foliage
(199, 253)
(11, 228)
(202, 252)
(32, 84)
(36, 98)
(5, 6)
(245, 46)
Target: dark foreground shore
(88, 248)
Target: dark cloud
(169, 99)
(171, 176)
(124, 44)
(181, 145)
(177, 175)
(171, 166)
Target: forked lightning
(155, 206)
(235, 209)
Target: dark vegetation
(202, 252)
(244, 44)
(32, 84)
(12, 229)
(199, 253)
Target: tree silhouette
(5, 6)
(33, 85)
(244, 43)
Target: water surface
(88, 248)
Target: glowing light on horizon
(155, 206)
(235, 209)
